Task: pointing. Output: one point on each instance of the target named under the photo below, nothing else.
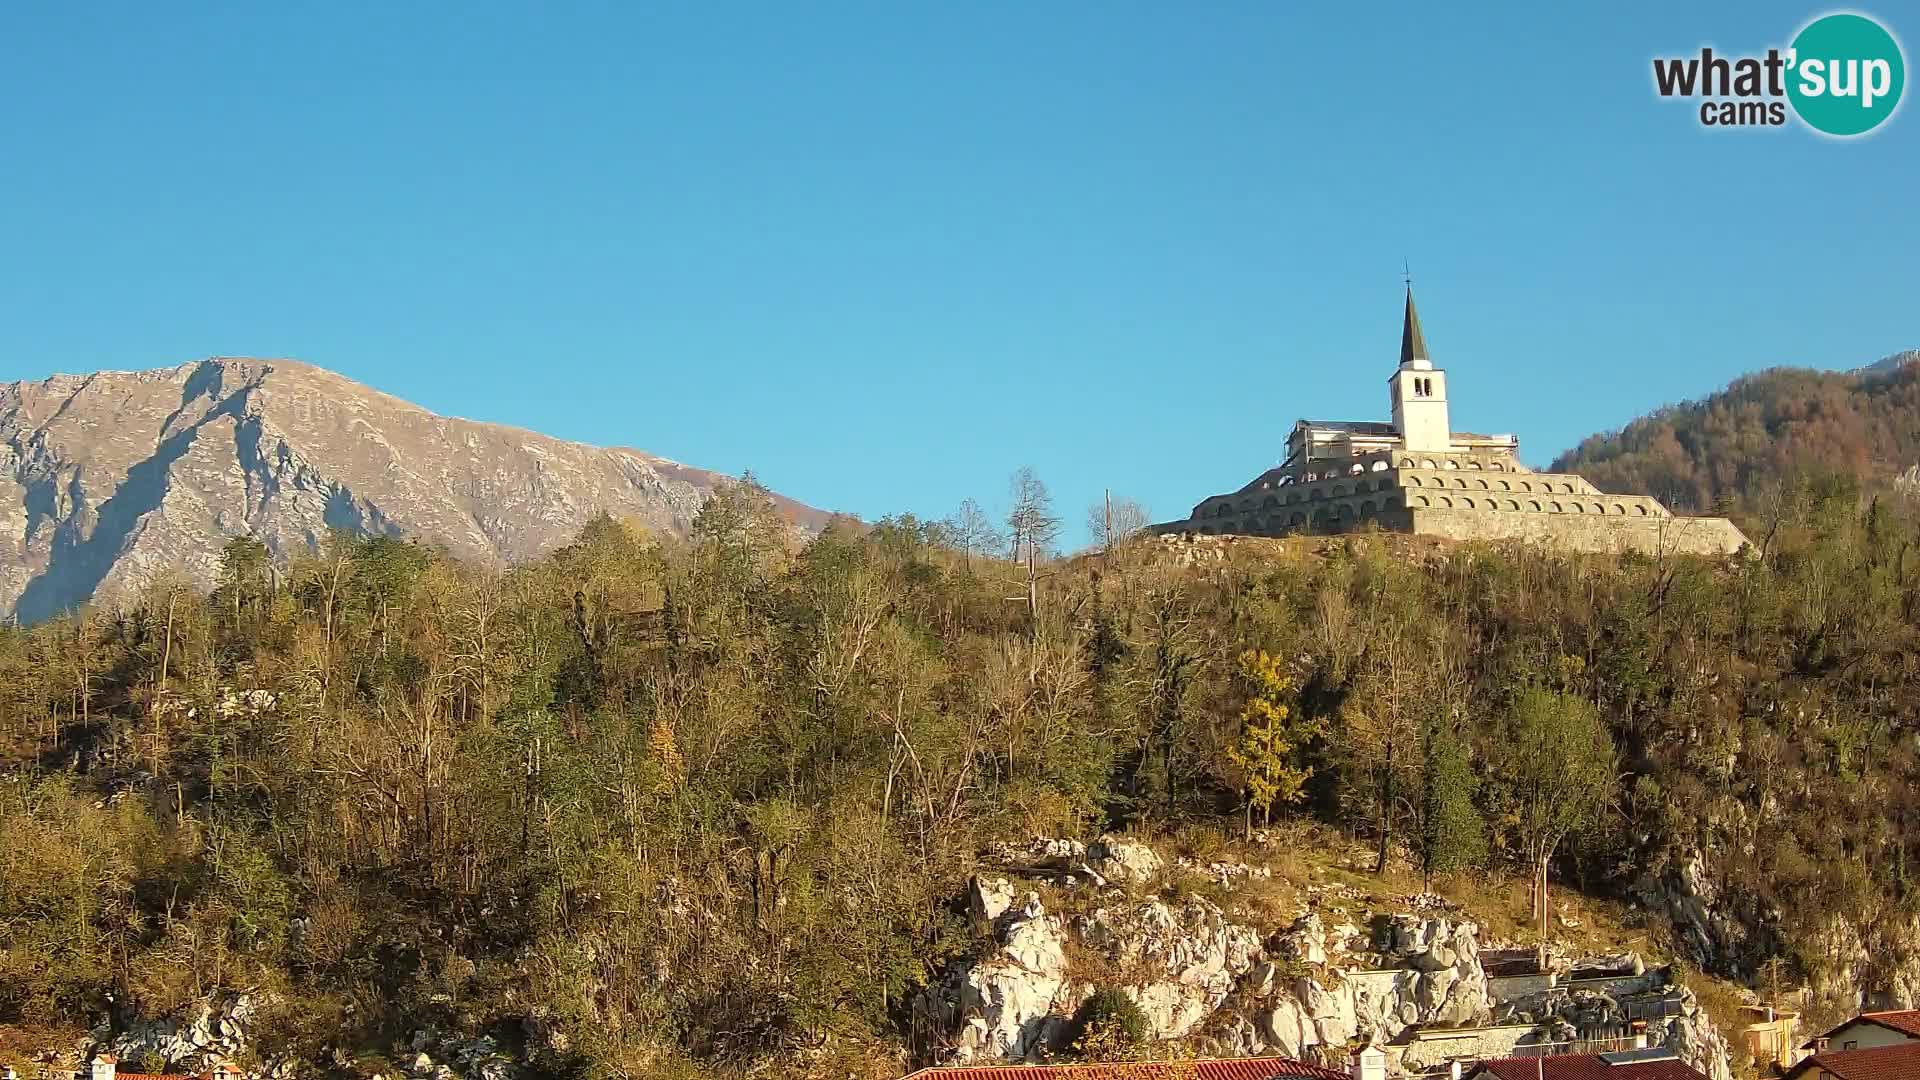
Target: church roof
(1413, 343)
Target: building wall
(1507, 988)
(1650, 535)
(1867, 1035)
(1430, 1049)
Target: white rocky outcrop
(1188, 958)
(1199, 974)
(206, 1032)
(1015, 1002)
(1124, 860)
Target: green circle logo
(1847, 74)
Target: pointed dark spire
(1413, 344)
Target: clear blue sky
(883, 254)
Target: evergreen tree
(1452, 833)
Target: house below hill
(1897, 1061)
(1657, 1063)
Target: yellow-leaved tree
(1273, 735)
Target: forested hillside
(1742, 444)
(659, 806)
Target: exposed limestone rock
(1688, 895)
(1695, 1040)
(1287, 1029)
(1123, 860)
(989, 898)
(1014, 1003)
(1303, 991)
(112, 478)
(1304, 941)
(1190, 956)
(205, 1033)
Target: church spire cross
(1413, 343)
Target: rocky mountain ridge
(107, 480)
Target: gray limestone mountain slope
(118, 476)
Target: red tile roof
(1901, 1061)
(1585, 1067)
(1268, 1068)
(1905, 1021)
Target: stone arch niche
(1413, 481)
(1380, 466)
(1473, 464)
(1511, 505)
(1466, 503)
(1482, 484)
(1504, 486)
(1427, 463)
(1554, 507)
(1449, 464)
(1640, 508)
(1418, 500)
(1339, 490)
(1367, 509)
(1533, 505)
(1445, 502)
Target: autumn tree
(1273, 735)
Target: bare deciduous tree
(1111, 521)
(971, 530)
(1032, 527)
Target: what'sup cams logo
(1842, 76)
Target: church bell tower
(1419, 391)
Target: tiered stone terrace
(1341, 493)
(1418, 475)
